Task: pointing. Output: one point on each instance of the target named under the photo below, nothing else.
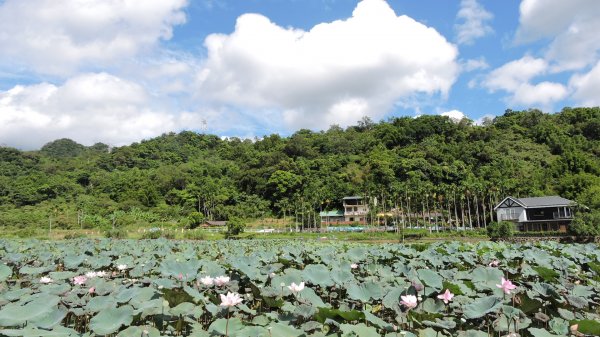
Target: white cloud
(334, 73)
(57, 37)
(572, 26)
(474, 64)
(474, 22)
(587, 87)
(87, 108)
(455, 115)
(515, 78)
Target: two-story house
(551, 213)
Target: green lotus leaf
(366, 291)
(185, 308)
(358, 330)
(53, 319)
(187, 270)
(111, 320)
(253, 331)
(30, 331)
(220, 326)
(482, 306)
(137, 331)
(430, 278)
(441, 324)
(14, 314)
(376, 321)
(280, 329)
(339, 315)
(99, 303)
(473, 333)
(317, 274)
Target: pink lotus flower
(79, 280)
(354, 266)
(410, 301)
(230, 300)
(180, 276)
(221, 280)
(207, 281)
(574, 327)
(446, 296)
(92, 290)
(506, 286)
(46, 280)
(296, 288)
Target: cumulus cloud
(473, 22)
(572, 27)
(87, 108)
(455, 115)
(57, 37)
(336, 72)
(587, 87)
(515, 78)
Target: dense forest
(425, 163)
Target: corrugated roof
(332, 213)
(550, 201)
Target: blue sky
(122, 71)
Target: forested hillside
(426, 161)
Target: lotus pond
(297, 288)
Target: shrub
(500, 230)
(116, 234)
(72, 236)
(195, 219)
(235, 226)
(586, 224)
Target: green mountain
(426, 161)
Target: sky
(120, 71)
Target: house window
(351, 219)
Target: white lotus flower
(122, 267)
(207, 281)
(91, 274)
(46, 280)
(295, 288)
(221, 280)
(230, 300)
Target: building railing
(556, 215)
(509, 217)
(356, 213)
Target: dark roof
(551, 201)
(352, 198)
(217, 223)
(539, 202)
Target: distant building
(355, 209)
(209, 223)
(551, 213)
(332, 217)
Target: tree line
(429, 167)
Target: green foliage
(195, 219)
(118, 233)
(235, 226)
(194, 235)
(409, 163)
(500, 230)
(586, 224)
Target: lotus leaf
(110, 320)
